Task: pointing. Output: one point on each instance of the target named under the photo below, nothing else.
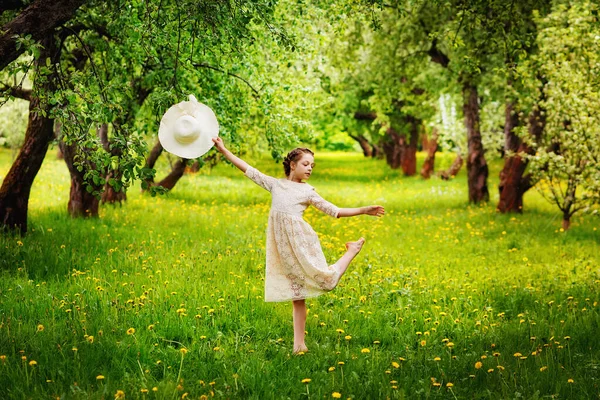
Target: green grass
(440, 286)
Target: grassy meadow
(163, 297)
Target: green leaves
(568, 158)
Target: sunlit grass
(162, 297)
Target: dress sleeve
(262, 180)
(323, 204)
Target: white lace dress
(296, 267)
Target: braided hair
(294, 156)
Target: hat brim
(209, 129)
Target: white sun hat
(187, 129)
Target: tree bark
(513, 181)
(16, 187)
(477, 169)
(364, 145)
(454, 168)
(38, 20)
(431, 147)
(81, 202)
(392, 147)
(110, 195)
(151, 160)
(408, 156)
(176, 173)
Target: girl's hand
(219, 144)
(376, 211)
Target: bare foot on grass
(301, 349)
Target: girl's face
(303, 167)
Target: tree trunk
(176, 173)
(392, 147)
(378, 150)
(81, 202)
(432, 146)
(477, 169)
(110, 195)
(513, 181)
(195, 167)
(511, 176)
(408, 156)
(57, 133)
(16, 187)
(38, 20)
(151, 161)
(364, 145)
(454, 168)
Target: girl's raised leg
(299, 325)
(352, 250)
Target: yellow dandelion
(3, 358)
(155, 389)
(365, 350)
(40, 328)
(449, 384)
(340, 363)
(331, 369)
(437, 359)
(478, 365)
(100, 377)
(130, 331)
(347, 337)
(490, 370)
(543, 368)
(306, 380)
(151, 327)
(395, 364)
(144, 390)
(119, 395)
(450, 344)
(336, 395)
(518, 355)
(32, 363)
(90, 339)
(339, 330)
(423, 343)
(570, 380)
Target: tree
(16, 186)
(94, 83)
(34, 23)
(567, 158)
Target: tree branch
(437, 56)
(203, 65)
(16, 91)
(38, 20)
(11, 5)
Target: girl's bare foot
(300, 349)
(355, 247)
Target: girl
(296, 268)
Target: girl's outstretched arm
(235, 160)
(377, 211)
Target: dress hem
(293, 299)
